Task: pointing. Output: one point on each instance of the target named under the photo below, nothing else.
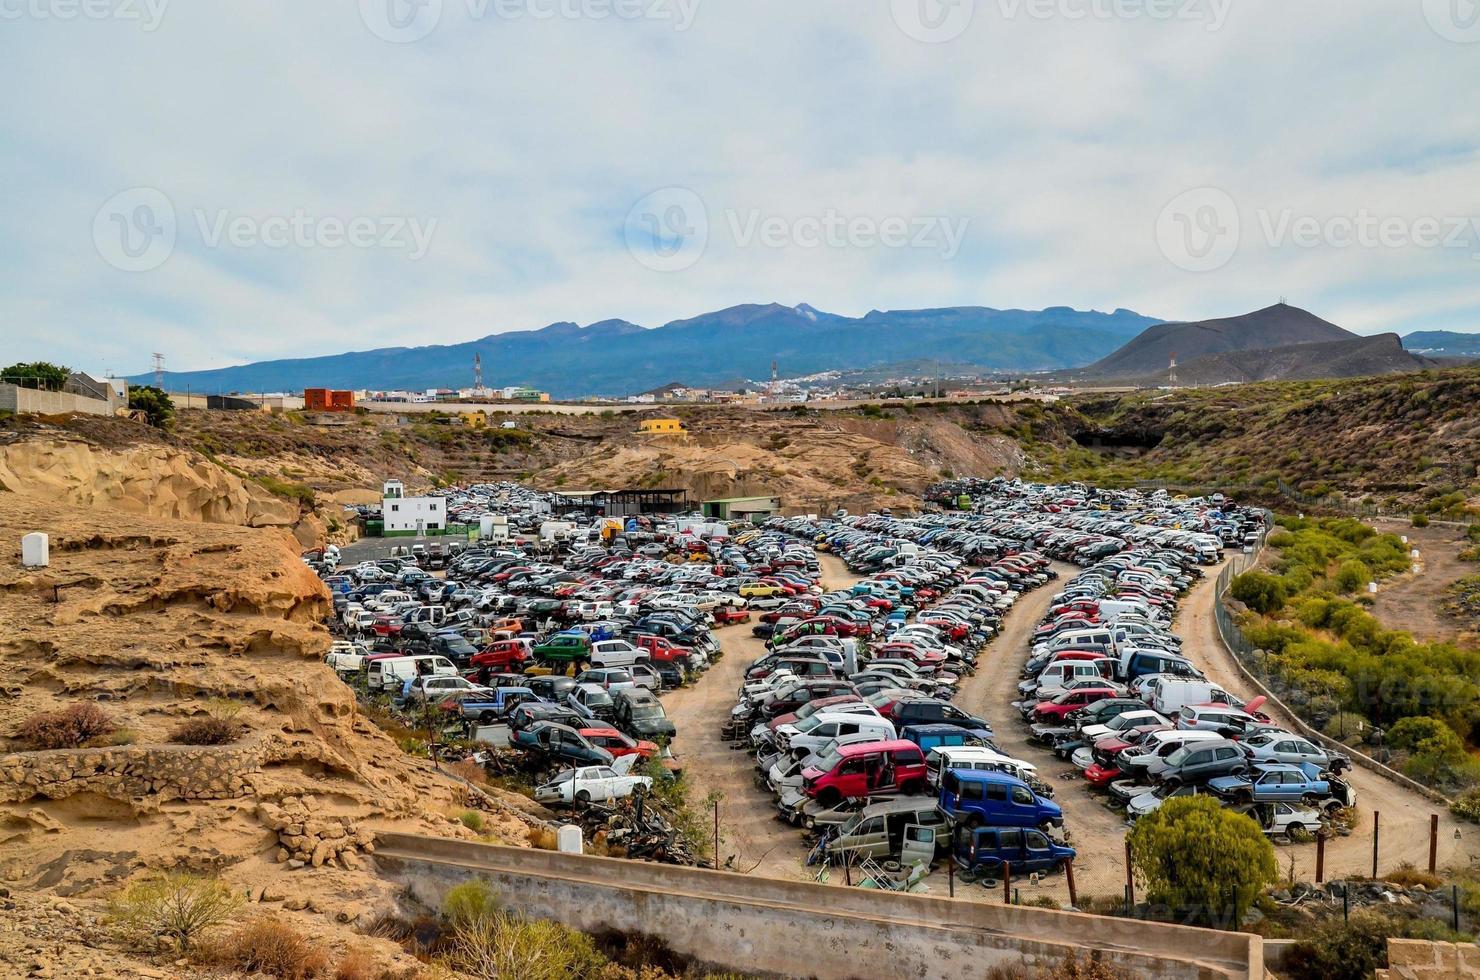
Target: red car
(1060, 707)
(867, 769)
(620, 744)
(730, 615)
(504, 656)
(661, 649)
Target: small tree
(1260, 591)
(36, 374)
(153, 403)
(1202, 859)
(178, 906)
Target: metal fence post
(1433, 841)
(1376, 828)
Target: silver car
(1294, 749)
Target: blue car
(978, 798)
(1027, 851)
(1272, 783)
(931, 736)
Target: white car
(592, 783)
(433, 688)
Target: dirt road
(1404, 833)
(753, 839)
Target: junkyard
(977, 701)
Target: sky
(237, 181)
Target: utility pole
(159, 371)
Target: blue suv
(1026, 851)
(980, 798)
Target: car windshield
(829, 757)
(1177, 756)
(807, 724)
(647, 711)
(618, 677)
(597, 699)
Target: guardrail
(1255, 672)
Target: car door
(1037, 852)
(918, 846)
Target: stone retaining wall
(167, 772)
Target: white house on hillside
(415, 514)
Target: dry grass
(68, 728)
(269, 945)
(206, 731)
(357, 964)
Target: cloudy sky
(233, 181)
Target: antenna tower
(1172, 370)
(159, 371)
(478, 371)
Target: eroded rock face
(157, 481)
(157, 621)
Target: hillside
(1354, 358)
(1273, 327)
(1402, 440)
(159, 611)
(616, 357)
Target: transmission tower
(478, 372)
(1172, 370)
(159, 371)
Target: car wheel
(973, 821)
(583, 797)
(1172, 783)
(487, 718)
(830, 797)
(1294, 832)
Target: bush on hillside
(1201, 859)
(68, 728)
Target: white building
(415, 514)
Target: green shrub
(206, 731)
(1198, 857)
(1342, 950)
(504, 946)
(178, 906)
(1352, 575)
(469, 901)
(1260, 591)
(1467, 806)
(1420, 520)
(473, 820)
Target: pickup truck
(495, 705)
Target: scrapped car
(1020, 851)
(1271, 783)
(591, 784)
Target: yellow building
(474, 420)
(661, 427)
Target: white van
(1169, 696)
(390, 673)
(1076, 638)
(811, 733)
(973, 757)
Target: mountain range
(616, 357)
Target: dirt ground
(756, 842)
(1415, 602)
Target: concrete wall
(1415, 959)
(28, 401)
(771, 926)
